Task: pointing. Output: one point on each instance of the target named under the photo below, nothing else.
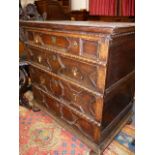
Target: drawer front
(79, 99)
(84, 47)
(75, 121)
(83, 73)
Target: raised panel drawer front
(77, 98)
(85, 74)
(78, 45)
(71, 118)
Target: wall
(79, 5)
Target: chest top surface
(86, 26)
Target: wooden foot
(24, 102)
(35, 109)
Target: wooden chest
(83, 74)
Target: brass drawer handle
(36, 40)
(39, 59)
(74, 97)
(75, 44)
(76, 73)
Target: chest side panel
(121, 61)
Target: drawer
(84, 47)
(82, 73)
(37, 57)
(79, 99)
(61, 111)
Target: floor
(41, 135)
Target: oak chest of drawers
(83, 75)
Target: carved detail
(60, 62)
(42, 83)
(68, 81)
(72, 116)
(56, 65)
(62, 88)
(73, 73)
(55, 86)
(77, 101)
(74, 122)
(70, 44)
(42, 80)
(44, 102)
(63, 103)
(53, 60)
(75, 57)
(91, 78)
(30, 52)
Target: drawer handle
(76, 73)
(74, 97)
(73, 72)
(75, 44)
(38, 39)
(39, 59)
(53, 39)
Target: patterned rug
(41, 135)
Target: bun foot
(35, 109)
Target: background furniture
(83, 75)
(51, 9)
